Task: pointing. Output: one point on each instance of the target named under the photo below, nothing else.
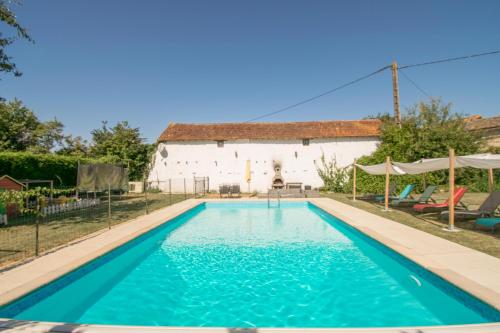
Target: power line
(372, 74)
(320, 95)
(450, 59)
(415, 84)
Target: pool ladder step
(269, 198)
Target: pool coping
(476, 274)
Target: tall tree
(20, 129)
(124, 144)
(74, 146)
(8, 17)
(17, 126)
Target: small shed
(8, 183)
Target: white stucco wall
(227, 164)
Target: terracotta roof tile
(483, 124)
(271, 131)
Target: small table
(290, 186)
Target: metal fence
(195, 187)
(55, 222)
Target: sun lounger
(392, 191)
(424, 198)
(405, 193)
(489, 222)
(487, 209)
(433, 207)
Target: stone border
(472, 271)
(22, 279)
(22, 326)
(475, 272)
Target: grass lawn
(17, 240)
(478, 239)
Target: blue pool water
(245, 265)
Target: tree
(428, 130)
(123, 144)
(21, 130)
(17, 126)
(8, 17)
(74, 146)
(48, 134)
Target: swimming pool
(243, 265)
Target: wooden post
(387, 172)
(395, 93)
(109, 206)
(37, 228)
(170, 191)
(27, 197)
(451, 203)
(145, 185)
(51, 190)
(77, 182)
(424, 180)
(354, 181)
(490, 180)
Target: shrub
(335, 179)
(24, 165)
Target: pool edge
(149, 222)
(18, 326)
(432, 260)
(24, 279)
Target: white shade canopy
(380, 169)
(478, 161)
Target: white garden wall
(188, 159)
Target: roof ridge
(278, 122)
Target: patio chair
(235, 189)
(405, 193)
(392, 191)
(436, 207)
(224, 189)
(424, 198)
(487, 209)
(488, 222)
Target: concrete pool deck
(473, 271)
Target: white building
(221, 151)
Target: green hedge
(23, 165)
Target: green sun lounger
(405, 193)
(424, 198)
(488, 222)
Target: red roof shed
(9, 183)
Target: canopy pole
(354, 181)
(451, 199)
(490, 180)
(387, 171)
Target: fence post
(170, 191)
(185, 194)
(109, 206)
(145, 185)
(37, 228)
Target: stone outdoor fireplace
(278, 182)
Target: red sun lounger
(432, 207)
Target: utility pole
(395, 92)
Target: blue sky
(155, 62)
